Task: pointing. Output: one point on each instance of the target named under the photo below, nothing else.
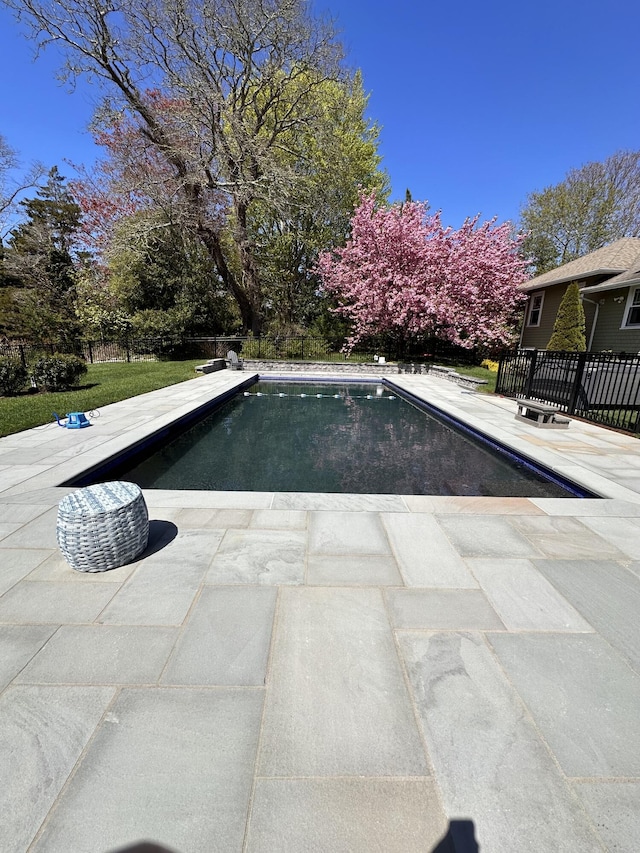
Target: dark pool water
(358, 439)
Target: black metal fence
(600, 387)
(143, 349)
(276, 347)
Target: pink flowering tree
(403, 273)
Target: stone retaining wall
(364, 368)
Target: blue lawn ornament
(75, 420)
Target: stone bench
(540, 414)
(470, 381)
(211, 366)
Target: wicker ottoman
(103, 526)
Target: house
(609, 281)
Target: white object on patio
(102, 527)
(233, 362)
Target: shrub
(569, 328)
(13, 375)
(285, 347)
(57, 372)
(259, 348)
(304, 348)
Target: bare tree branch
(242, 71)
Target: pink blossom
(403, 272)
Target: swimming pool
(335, 437)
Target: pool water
(334, 437)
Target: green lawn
(108, 383)
(103, 384)
(479, 373)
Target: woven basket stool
(103, 526)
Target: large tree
(336, 162)
(165, 284)
(234, 78)
(592, 206)
(404, 274)
(130, 195)
(39, 257)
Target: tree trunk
(250, 320)
(250, 277)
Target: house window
(632, 311)
(535, 309)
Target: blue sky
(479, 103)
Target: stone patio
(303, 672)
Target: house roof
(614, 259)
(624, 279)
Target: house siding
(537, 337)
(608, 334)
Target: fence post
(577, 382)
(127, 348)
(501, 360)
(90, 353)
(531, 374)
(23, 358)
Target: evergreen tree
(165, 282)
(569, 328)
(39, 257)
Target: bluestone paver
(486, 536)
(279, 519)
(21, 513)
(218, 518)
(18, 644)
(622, 533)
(424, 554)
(163, 587)
(568, 683)
(338, 533)
(345, 570)
(101, 654)
(338, 503)
(227, 638)
(172, 765)
(523, 598)
(560, 537)
(345, 816)
(440, 609)
(56, 568)
(43, 730)
(259, 556)
(613, 808)
(337, 702)
(40, 601)
(16, 564)
(607, 594)
(39, 533)
(480, 741)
